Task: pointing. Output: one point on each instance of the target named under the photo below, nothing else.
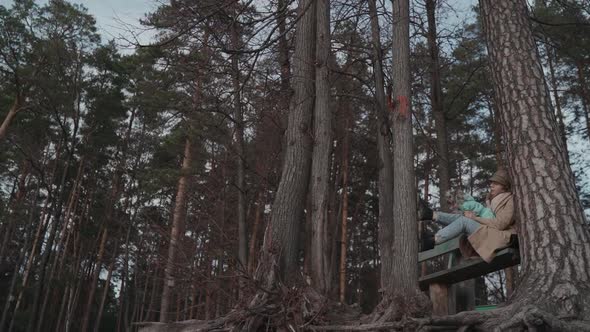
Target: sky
(114, 18)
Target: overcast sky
(113, 17)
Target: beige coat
(495, 232)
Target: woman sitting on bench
(486, 235)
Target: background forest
(136, 184)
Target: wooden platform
(472, 268)
(458, 269)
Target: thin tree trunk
(95, 275)
(144, 295)
(283, 47)
(436, 100)
(554, 244)
(14, 109)
(152, 302)
(385, 185)
(344, 222)
(322, 151)
(255, 230)
(105, 293)
(176, 232)
(239, 144)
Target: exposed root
(511, 318)
(398, 307)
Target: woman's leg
(446, 218)
(459, 224)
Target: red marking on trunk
(403, 106)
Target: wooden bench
(457, 270)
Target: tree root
(511, 318)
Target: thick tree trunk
(14, 109)
(177, 231)
(405, 276)
(385, 185)
(436, 100)
(287, 211)
(322, 152)
(555, 246)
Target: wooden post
(439, 294)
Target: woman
(486, 235)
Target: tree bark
(436, 100)
(344, 214)
(554, 244)
(177, 231)
(554, 86)
(405, 276)
(286, 217)
(322, 152)
(239, 144)
(385, 185)
(282, 12)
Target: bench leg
(439, 295)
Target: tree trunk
(14, 109)
(554, 245)
(94, 281)
(385, 167)
(105, 292)
(176, 232)
(322, 152)
(344, 215)
(287, 211)
(436, 100)
(239, 144)
(404, 192)
(255, 230)
(283, 47)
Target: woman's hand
(469, 214)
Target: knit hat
(501, 177)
